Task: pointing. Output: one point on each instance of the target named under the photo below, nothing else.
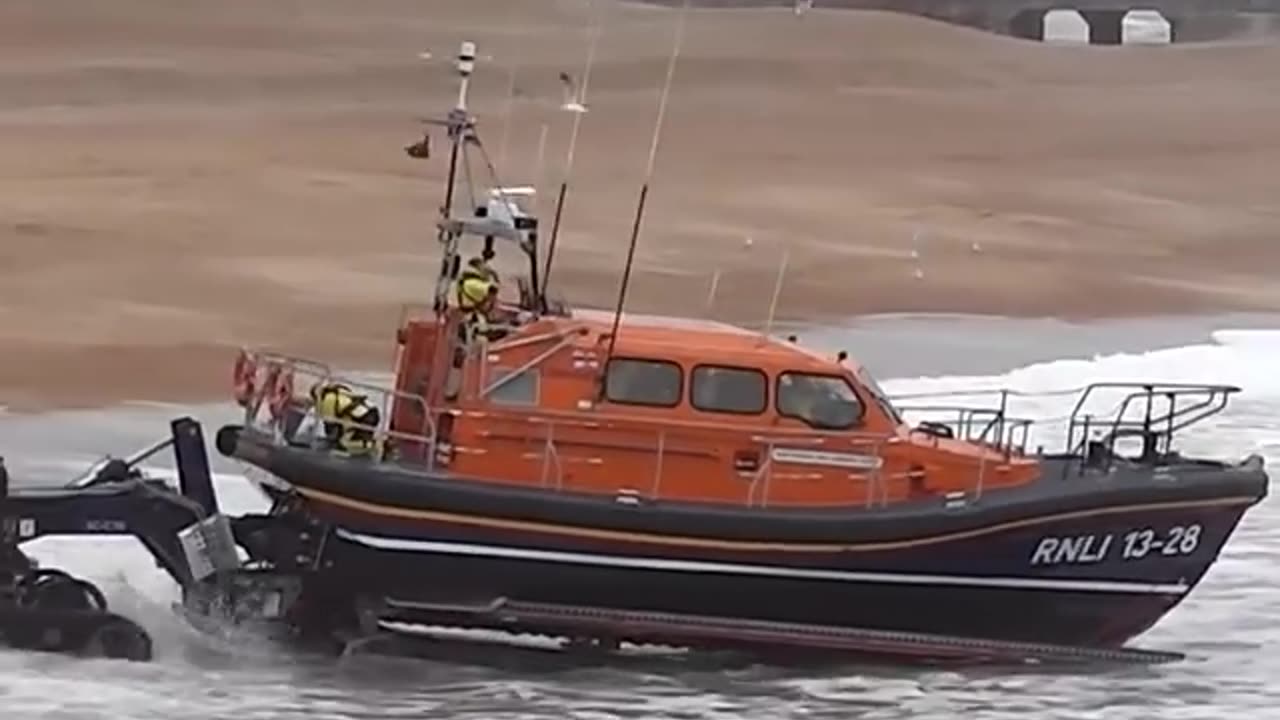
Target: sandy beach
(180, 178)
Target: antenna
(711, 294)
(777, 291)
(644, 188)
(597, 28)
(542, 155)
(506, 121)
(513, 70)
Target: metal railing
(1184, 404)
(554, 441)
(1162, 410)
(983, 426)
(780, 454)
(282, 385)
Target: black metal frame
(1157, 427)
(994, 427)
(47, 609)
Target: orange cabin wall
(414, 376)
(698, 464)
(612, 454)
(611, 448)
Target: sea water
(1228, 627)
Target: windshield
(821, 401)
(878, 393)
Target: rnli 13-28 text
(1131, 545)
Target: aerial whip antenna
(539, 172)
(777, 292)
(644, 188)
(508, 111)
(575, 102)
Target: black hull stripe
(685, 541)
(695, 566)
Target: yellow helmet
(475, 289)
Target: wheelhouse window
(729, 389)
(826, 402)
(634, 381)
(880, 396)
(519, 390)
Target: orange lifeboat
(556, 455)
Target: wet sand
(176, 180)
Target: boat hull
(1071, 565)
(995, 592)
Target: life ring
(281, 395)
(242, 379)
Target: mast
(644, 190)
(499, 217)
(459, 121)
(458, 125)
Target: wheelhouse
(681, 410)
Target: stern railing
(280, 406)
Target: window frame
(493, 372)
(853, 387)
(764, 387)
(680, 381)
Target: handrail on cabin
(871, 444)
(999, 423)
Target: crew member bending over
(350, 421)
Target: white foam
(1244, 358)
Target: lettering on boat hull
(1136, 544)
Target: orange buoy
(281, 394)
(246, 371)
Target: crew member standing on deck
(350, 421)
(477, 296)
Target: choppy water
(1230, 626)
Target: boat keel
(599, 627)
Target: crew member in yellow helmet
(350, 421)
(474, 282)
(477, 295)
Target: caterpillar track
(612, 625)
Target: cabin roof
(717, 342)
(668, 323)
